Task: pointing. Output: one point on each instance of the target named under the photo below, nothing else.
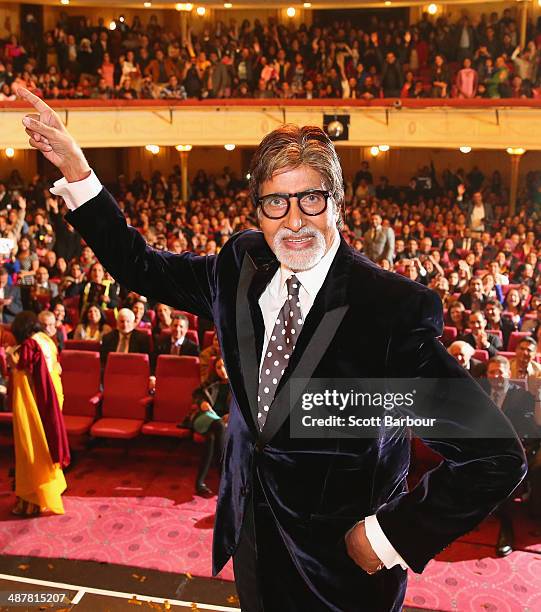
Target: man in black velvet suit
(312, 524)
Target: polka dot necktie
(281, 344)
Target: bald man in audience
(125, 338)
(463, 353)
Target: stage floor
(133, 525)
(104, 586)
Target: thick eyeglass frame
(299, 195)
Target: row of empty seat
(127, 409)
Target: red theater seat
(110, 317)
(480, 354)
(515, 338)
(208, 338)
(191, 334)
(176, 379)
(3, 362)
(449, 335)
(6, 417)
(496, 332)
(82, 345)
(81, 384)
(125, 397)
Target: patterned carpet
(136, 506)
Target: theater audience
(125, 338)
(463, 353)
(93, 325)
(138, 306)
(48, 324)
(495, 321)
(520, 408)
(379, 241)
(162, 320)
(10, 298)
(513, 305)
(474, 298)
(99, 289)
(209, 419)
(523, 365)
(457, 317)
(207, 356)
(435, 57)
(478, 337)
(176, 342)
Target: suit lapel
(250, 324)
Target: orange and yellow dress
(37, 479)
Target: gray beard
(299, 261)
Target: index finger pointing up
(36, 102)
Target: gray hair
(501, 359)
(126, 312)
(465, 346)
(291, 146)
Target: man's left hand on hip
(359, 549)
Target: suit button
(259, 446)
(244, 491)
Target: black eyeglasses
(312, 202)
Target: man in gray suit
(10, 298)
(379, 241)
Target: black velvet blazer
(365, 322)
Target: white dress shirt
(271, 301)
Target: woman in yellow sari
(40, 438)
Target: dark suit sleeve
(476, 473)
(190, 349)
(16, 305)
(107, 346)
(182, 281)
(144, 343)
(495, 345)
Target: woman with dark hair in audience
(39, 435)
(449, 256)
(163, 319)
(441, 78)
(93, 325)
(27, 257)
(210, 419)
(514, 307)
(456, 317)
(139, 307)
(99, 289)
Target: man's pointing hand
(48, 134)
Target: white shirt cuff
(381, 545)
(77, 193)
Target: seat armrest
(95, 400)
(147, 402)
